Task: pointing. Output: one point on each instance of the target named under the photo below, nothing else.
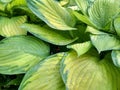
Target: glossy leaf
(45, 75)
(87, 72)
(11, 26)
(48, 34)
(105, 42)
(117, 25)
(81, 48)
(52, 13)
(19, 53)
(102, 12)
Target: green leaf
(87, 72)
(11, 26)
(102, 12)
(81, 48)
(49, 35)
(84, 5)
(93, 30)
(52, 13)
(6, 1)
(45, 75)
(19, 53)
(117, 25)
(105, 42)
(116, 57)
(83, 18)
(16, 3)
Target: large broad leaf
(87, 72)
(116, 57)
(45, 75)
(19, 53)
(117, 25)
(52, 13)
(81, 48)
(102, 12)
(49, 35)
(11, 26)
(105, 42)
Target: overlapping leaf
(81, 48)
(87, 72)
(102, 12)
(19, 53)
(105, 42)
(45, 75)
(11, 26)
(84, 5)
(117, 25)
(49, 35)
(52, 13)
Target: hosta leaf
(116, 57)
(87, 72)
(83, 18)
(93, 30)
(45, 75)
(6, 1)
(105, 42)
(117, 25)
(84, 5)
(16, 3)
(102, 12)
(19, 53)
(52, 13)
(11, 26)
(81, 48)
(49, 35)
(2, 6)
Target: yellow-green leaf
(11, 26)
(52, 13)
(88, 72)
(50, 35)
(45, 75)
(19, 53)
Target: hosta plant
(61, 44)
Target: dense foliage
(59, 44)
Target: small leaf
(11, 26)
(52, 13)
(93, 30)
(117, 25)
(116, 57)
(81, 48)
(87, 72)
(83, 18)
(45, 75)
(49, 35)
(105, 42)
(19, 53)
